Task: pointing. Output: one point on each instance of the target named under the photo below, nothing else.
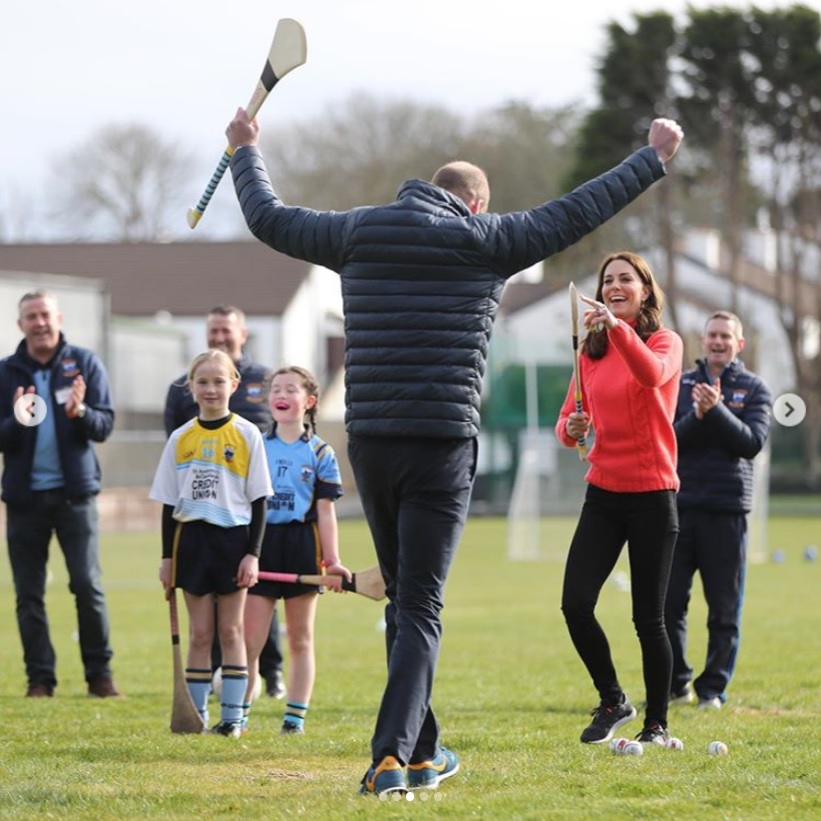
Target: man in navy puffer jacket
(422, 278)
(722, 422)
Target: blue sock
(199, 685)
(295, 713)
(234, 685)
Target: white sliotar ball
(617, 745)
(674, 743)
(717, 748)
(633, 748)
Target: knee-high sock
(234, 684)
(199, 685)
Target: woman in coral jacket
(629, 368)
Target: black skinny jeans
(648, 522)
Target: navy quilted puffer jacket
(715, 455)
(422, 278)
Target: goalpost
(525, 510)
(549, 482)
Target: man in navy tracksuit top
(722, 422)
(51, 478)
(422, 278)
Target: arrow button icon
(789, 410)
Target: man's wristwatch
(81, 410)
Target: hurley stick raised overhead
(288, 51)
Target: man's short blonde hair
(464, 180)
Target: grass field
(511, 695)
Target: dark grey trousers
(415, 494)
(29, 531)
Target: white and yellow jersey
(213, 474)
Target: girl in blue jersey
(300, 535)
(213, 482)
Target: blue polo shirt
(46, 470)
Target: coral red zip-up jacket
(630, 394)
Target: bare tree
(359, 152)
(18, 222)
(122, 184)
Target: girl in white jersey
(213, 482)
(300, 535)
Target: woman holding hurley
(629, 372)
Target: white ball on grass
(717, 748)
(617, 745)
(633, 748)
(674, 743)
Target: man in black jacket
(422, 279)
(225, 330)
(722, 422)
(54, 404)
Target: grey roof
(185, 278)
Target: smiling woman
(629, 371)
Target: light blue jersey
(301, 472)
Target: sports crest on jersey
(68, 367)
(254, 392)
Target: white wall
(314, 314)
(541, 333)
(145, 359)
(264, 343)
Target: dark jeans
(415, 494)
(714, 544)
(648, 522)
(29, 532)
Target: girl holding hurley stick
(300, 536)
(629, 370)
(213, 482)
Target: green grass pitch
(511, 695)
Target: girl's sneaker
(227, 728)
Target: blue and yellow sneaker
(385, 777)
(429, 774)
